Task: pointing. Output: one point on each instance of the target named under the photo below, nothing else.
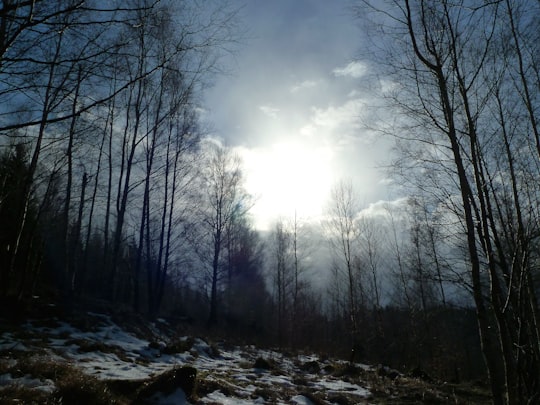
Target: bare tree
(246, 293)
(459, 135)
(287, 267)
(343, 237)
(282, 268)
(369, 256)
(48, 55)
(68, 65)
(221, 200)
(301, 249)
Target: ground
(93, 358)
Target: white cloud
(346, 115)
(336, 124)
(388, 86)
(306, 84)
(353, 69)
(308, 130)
(272, 112)
(384, 208)
(387, 181)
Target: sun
(287, 178)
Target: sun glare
(287, 178)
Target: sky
(293, 108)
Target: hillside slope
(91, 359)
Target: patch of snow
(10, 343)
(218, 397)
(277, 381)
(202, 348)
(102, 316)
(133, 359)
(5, 379)
(242, 377)
(28, 382)
(307, 358)
(250, 388)
(301, 400)
(178, 397)
(337, 386)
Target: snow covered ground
(225, 374)
(91, 359)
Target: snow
(9, 343)
(218, 397)
(301, 400)
(178, 397)
(109, 352)
(27, 381)
(336, 386)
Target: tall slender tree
(459, 65)
(343, 235)
(221, 200)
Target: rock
(311, 367)
(169, 381)
(178, 346)
(339, 398)
(420, 374)
(329, 369)
(263, 364)
(384, 371)
(349, 370)
(314, 398)
(155, 345)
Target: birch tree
(465, 71)
(343, 236)
(221, 199)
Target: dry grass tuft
(72, 385)
(179, 346)
(18, 394)
(78, 388)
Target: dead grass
(404, 389)
(18, 394)
(179, 346)
(72, 385)
(77, 388)
(41, 367)
(92, 346)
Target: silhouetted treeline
(441, 340)
(101, 177)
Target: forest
(115, 196)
